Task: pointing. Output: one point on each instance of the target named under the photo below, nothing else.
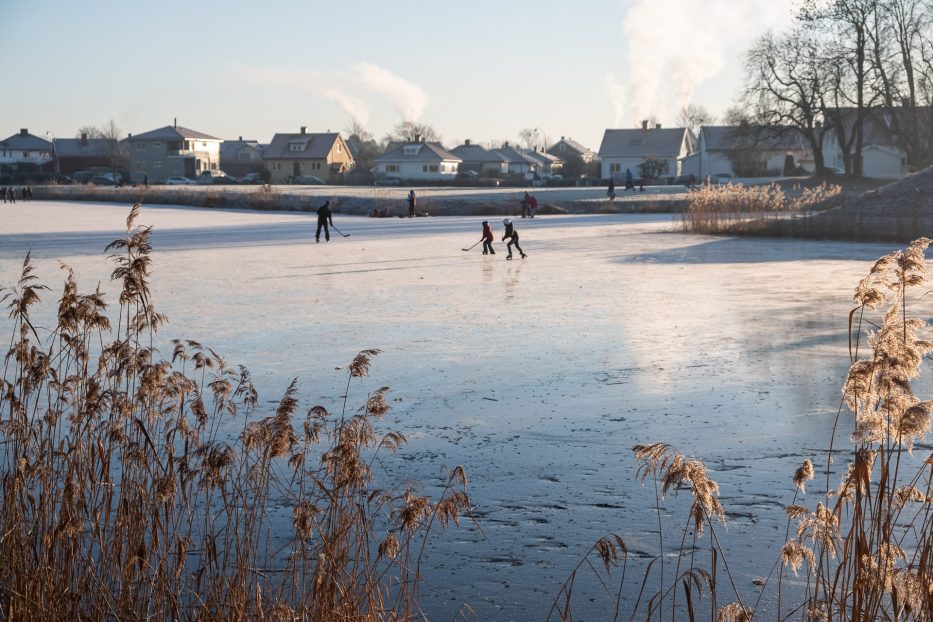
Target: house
(656, 148)
(567, 147)
(480, 160)
(547, 163)
(172, 151)
(24, 150)
(747, 151)
(895, 141)
(239, 157)
(323, 155)
(78, 154)
(524, 162)
(417, 161)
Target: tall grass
(733, 208)
(864, 550)
(122, 497)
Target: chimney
(657, 126)
(417, 138)
(175, 122)
(562, 138)
(24, 132)
(505, 145)
(644, 125)
(241, 139)
(466, 142)
(83, 139)
(304, 129)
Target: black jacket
(324, 214)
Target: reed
(734, 208)
(864, 549)
(123, 497)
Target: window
(156, 164)
(615, 167)
(391, 168)
(140, 146)
(157, 144)
(339, 148)
(316, 166)
(25, 154)
(429, 168)
(140, 167)
(411, 149)
(296, 147)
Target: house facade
(239, 157)
(25, 148)
(566, 147)
(323, 155)
(747, 151)
(79, 154)
(883, 155)
(519, 161)
(418, 161)
(480, 160)
(630, 149)
(172, 151)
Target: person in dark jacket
(512, 236)
(411, 203)
(324, 215)
(487, 239)
(611, 193)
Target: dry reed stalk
(120, 501)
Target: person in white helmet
(512, 236)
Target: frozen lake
(537, 375)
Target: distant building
(895, 141)
(323, 155)
(79, 154)
(26, 149)
(747, 151)
(566, 147)
(239, 157)
(480, 160)
(172, 151)
(519, 161)
(623, 149)
(417, 161)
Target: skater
(411, 203)
(512, 236)
(323, 216)
(525, 201)
(611, 193)
(532, 206)
(629, 180)
(487, 239)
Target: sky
(481, 70)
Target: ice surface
(538, 375)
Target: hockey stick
(472, 247)
(346, 235)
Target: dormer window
(296, 147)
(411, 149)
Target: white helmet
(506, 221)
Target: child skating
(487, 239)
(512, 236)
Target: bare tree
(692, 116)
(409, 132)
(111, 136)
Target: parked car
(252, 178)
(179, 181)
(215, 177)
(833, 171)
(103, 180)
(306, 180)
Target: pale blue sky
(482, 69)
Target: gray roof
(572, 145)
(729, 137)
(475, 153)
(82, 148)
(172, 132)
(429, 152)
(513, 155)
(635, 143)
(229, 148)
(26, 142)
(314, 146)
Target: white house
(628, 149)
(882, 156)
(417, 161)
(24, 148)
(172, 151)
(746, 151)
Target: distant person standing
(411, 203)
(611, 192)
(324, 216)
(629, 179)
(525, 201)
(487, 239)
(512, 236)
(532, 206)
(145, 181)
